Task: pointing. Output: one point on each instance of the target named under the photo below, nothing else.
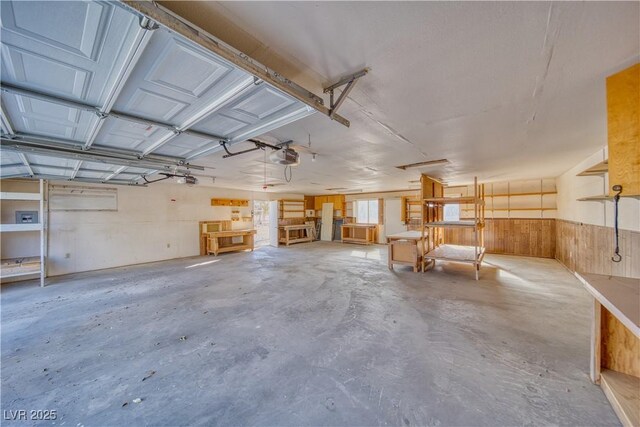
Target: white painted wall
(151, 224)
(571, 187)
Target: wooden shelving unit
(291, 208)
(32, 265)
(433, 226)
(411, 209)
(516, 199)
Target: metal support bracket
(259, 145)
(350, 82)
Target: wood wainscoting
(588, 248)
(509, 236)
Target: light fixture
(421, 164)
(313, 157)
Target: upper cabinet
(623, 126)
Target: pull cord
(616, 255)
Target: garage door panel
(176, 80)
(13, 170)
(37, 159)
(182, 145)
(183, 69)
(35, 116)
(9, 158)
(30, 69)
(221, 124)
(77, 29)
(51, 171)
(92, 175)
(128, 135)
(66, 48)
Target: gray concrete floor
(314, 334)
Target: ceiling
(503, 90)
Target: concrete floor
(314, 334)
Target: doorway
(261, 222)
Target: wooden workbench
(301, 233)
(405, 248)
(222, 241)
(615, 342)
(364, 234)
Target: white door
(326, 232)
(273, 223)
(392, 222)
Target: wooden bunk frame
(433, 225)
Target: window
(366, 211)
(452, 211)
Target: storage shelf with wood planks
(596, 170)
(434, 227)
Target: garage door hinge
(148, 24)
(101, 115)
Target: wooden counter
(615, 342)
(364, 234)
(297, 233)
(222, 241)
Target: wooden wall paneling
(620, 348)
(526, 237)
(588, 248)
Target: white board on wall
(326, 232)
(79, 198)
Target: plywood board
(620, 348)
(326, 233)
(623, 391)
(623, 126)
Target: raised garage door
(94, 91)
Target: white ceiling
(504, 90)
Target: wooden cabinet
(309, 202)
(623, 127)
(318, 201)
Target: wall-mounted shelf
(514, 209)
(230, 202)
(596, 170)
(599, 169)
(536, 193)
(598, 198)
